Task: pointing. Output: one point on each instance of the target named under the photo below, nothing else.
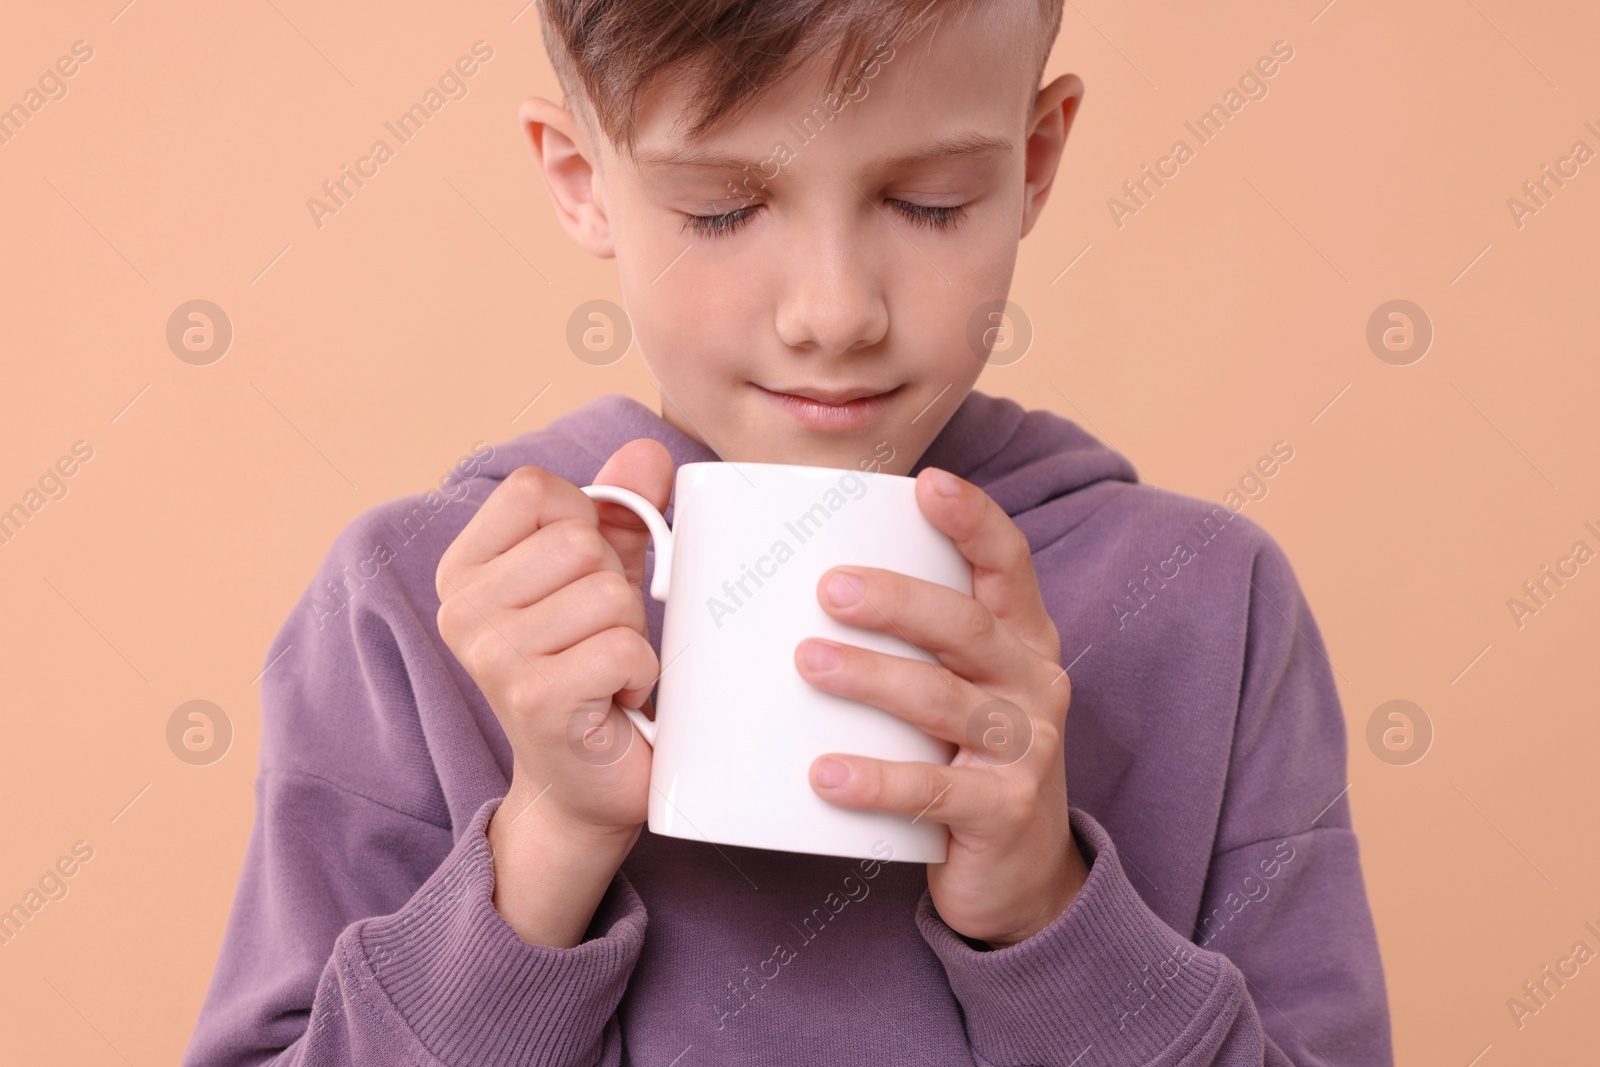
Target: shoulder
(389, 552)
(1156, 519)
(359, 654)
(1134, 531)
(1196, 592)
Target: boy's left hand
(1000, 694)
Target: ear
(1048, 127)
(566, 161)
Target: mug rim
(809, 468)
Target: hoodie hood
(1024, 460)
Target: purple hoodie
(1224, 921)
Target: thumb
(645, 466)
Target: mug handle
(661, 537)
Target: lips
(834, 397)
(833, 410)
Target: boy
(444, 871)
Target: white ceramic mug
(737, 727)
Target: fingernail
(944, 483)
(831, 774)
(844, 589)
(819, 656)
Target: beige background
(369, 354)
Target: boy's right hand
(542, 601)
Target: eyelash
(934, 218)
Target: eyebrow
(967, 144)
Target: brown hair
(606, 52)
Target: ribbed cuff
(1107, 982)
(474, 992)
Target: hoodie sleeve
(363, 929)
(1283, 968)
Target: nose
(833, 292)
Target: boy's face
(833, 269)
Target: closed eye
(718, 225)
(933, 218)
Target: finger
(581, 609)
(963, 633)
(526, 500)
(645, 466)
(1003, 579)
(967, 799)
(603, 665)
(935, 700)
(597, 601)
(545, 561)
